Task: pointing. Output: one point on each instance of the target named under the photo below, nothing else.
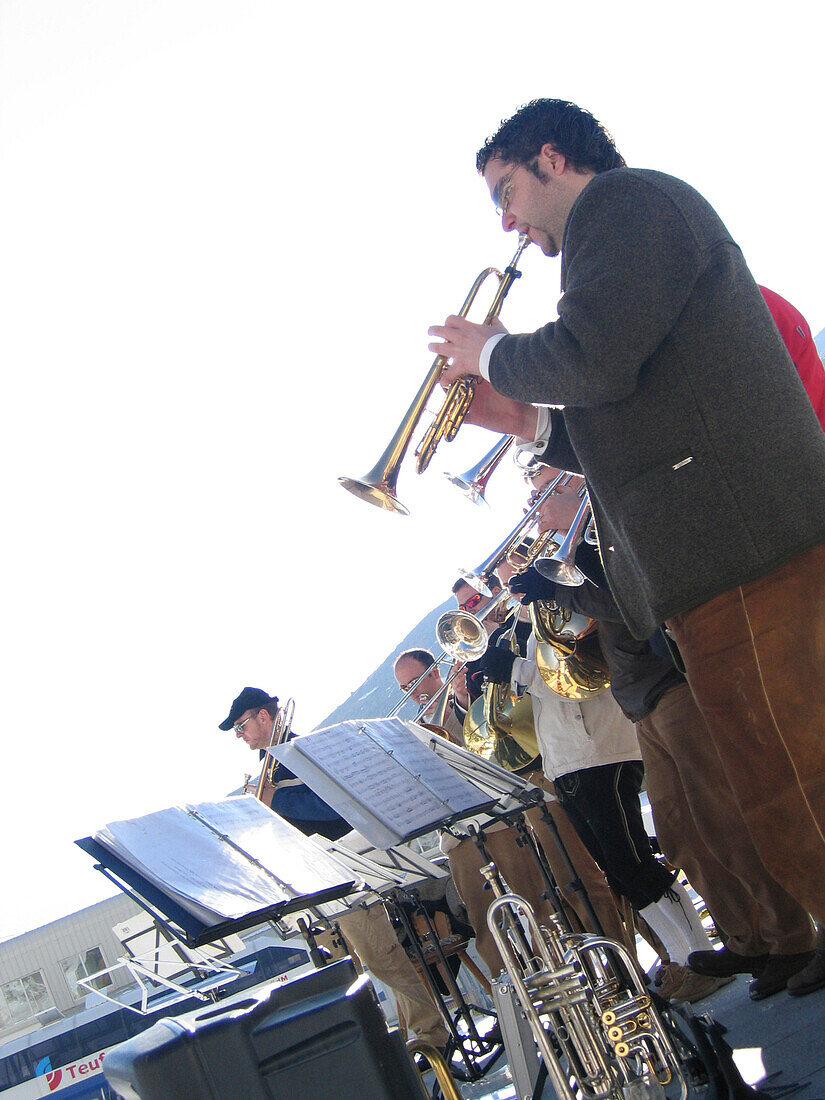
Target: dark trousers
(603, 805)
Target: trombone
(378, 487)
(281, 729)
(462, 638)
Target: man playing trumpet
(678, 401)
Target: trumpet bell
(473, 482)
(562, 572)
(378, 491)
(476, 581)
(468, 487)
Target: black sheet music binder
(179, 894)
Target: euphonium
(568, 654)
(498, 726)
(378, 487)
(599, 1035)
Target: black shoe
(725, 963)
(776, 973)
(812, 977)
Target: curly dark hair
(571, 130)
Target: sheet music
(214, 881)
(384, 782)
(381, 869)
(510, 789)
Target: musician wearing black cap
(368, 932)
(252, 715)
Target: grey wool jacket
(704, 459)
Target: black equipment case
(319, 1036)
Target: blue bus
(65, 1059)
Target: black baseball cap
(247, 700)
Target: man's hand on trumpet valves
(461, 342)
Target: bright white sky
(224, 230)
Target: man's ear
(551, 160)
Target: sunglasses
(471, 602)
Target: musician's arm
(492, 410)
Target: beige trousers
(371, 937)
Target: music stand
(176, 890)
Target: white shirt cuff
(486, 352)
(544, 426)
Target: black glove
(533, 585)
(497, 664)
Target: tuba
(378, 487)
(599, 1035)
(500, 727)
(568, 655)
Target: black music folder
(382, 778)
(217, 867)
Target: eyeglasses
(471, 602)
(503, 192)
(238, 727)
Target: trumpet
(477, 578)
(379, 486)
(599, 1035)
(473, 482)
(568, 655)
(561, 567)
